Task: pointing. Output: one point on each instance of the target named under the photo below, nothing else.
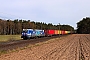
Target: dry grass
(5, 38)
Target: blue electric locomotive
(32, 33)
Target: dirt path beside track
(72, 47)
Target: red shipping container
(62, 32)
(49, 32)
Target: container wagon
(56, 32)
(62, 32)
(49, 32)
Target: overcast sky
(49, 11)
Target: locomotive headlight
(30, 33)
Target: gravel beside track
(72, 47)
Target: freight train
(36, 33)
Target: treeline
(12, 27)
(83, 26)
